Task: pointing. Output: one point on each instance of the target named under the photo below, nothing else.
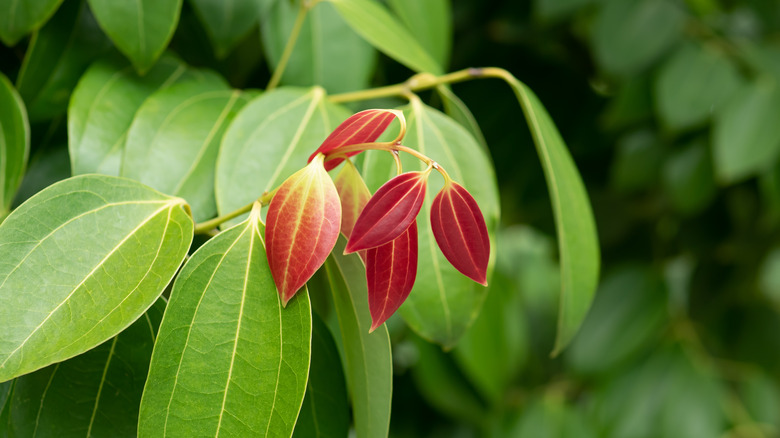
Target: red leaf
(460, 231)
(391, 270)
(389, 212)
(363, 127)
(354, 196)
(303, 225)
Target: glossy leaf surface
(460, 231)
(363, 127)
(391, 269)
(174, 140)
(389, 212)
(303, 219)
(18, 19)
(229, 360)
(93, 394)
(141, 29)
(327, 51)
(746, 137)
(226, 22)
(14, 143)
(82, 260)
(443, 302)
(269, 140)
(430, 22)
(58, 55)
(377, 26)
(577, 238)
(325, 410)
(102, 108)
(367, 355)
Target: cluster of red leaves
(308, 211)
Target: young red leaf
(303, 225)
(460, 231)
(391, 270)
(363, 127)
(389, 212)
(354, 196)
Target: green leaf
(746, 137)
(57, 56)
(628, 35)
(102, 109)
(47, 166)
(327, 53)
(666, 396)
(226, 22)
(141, 29)
(325, 410)
(174, 141)
(81, 261)
(367, 356)
(438, 379)
(430, 22)
(228, 359)
(94, 394)
(628, 315)
(269, 140)
(693, 84)
(376, 25)
(443, 302)
(14, 143)
(18, 18)
(577, 238)
(688, 179)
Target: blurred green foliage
(671, 109)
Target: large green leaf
(269, 140)
(81, 261)
(141, 29)
(746, 136)
(20, 17)
(325, 410)
(226, 22)
(577, 238)
(457, 109)
(57, 56)
(430, 22)
(367, 356)
(628, 35)
(327, 52)
(93, 394)
(443, 302)
(174, 140)
(102, 109)
(374, 22)
(693, 84)
(14, 143)
(229, 359)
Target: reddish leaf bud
(460, 231)
(391, 270)
(363, 127)
(303, 225)
(389, 212)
